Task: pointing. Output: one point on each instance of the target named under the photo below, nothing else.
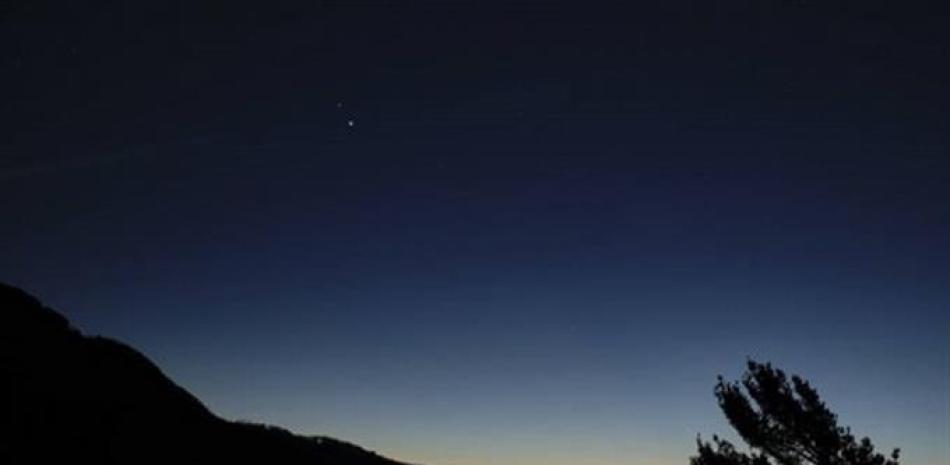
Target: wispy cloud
(40, 168)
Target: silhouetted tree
(783, 423)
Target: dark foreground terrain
(70, 398)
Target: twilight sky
(473, 233)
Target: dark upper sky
(474, 233)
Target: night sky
(472, 233)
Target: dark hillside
(70, 398)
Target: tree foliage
(784, 422)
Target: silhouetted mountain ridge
(71, 398)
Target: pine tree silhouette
(783, 423)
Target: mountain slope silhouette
(70, 398)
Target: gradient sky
(463, 233)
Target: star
(350, 123)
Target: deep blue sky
(548, 229)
